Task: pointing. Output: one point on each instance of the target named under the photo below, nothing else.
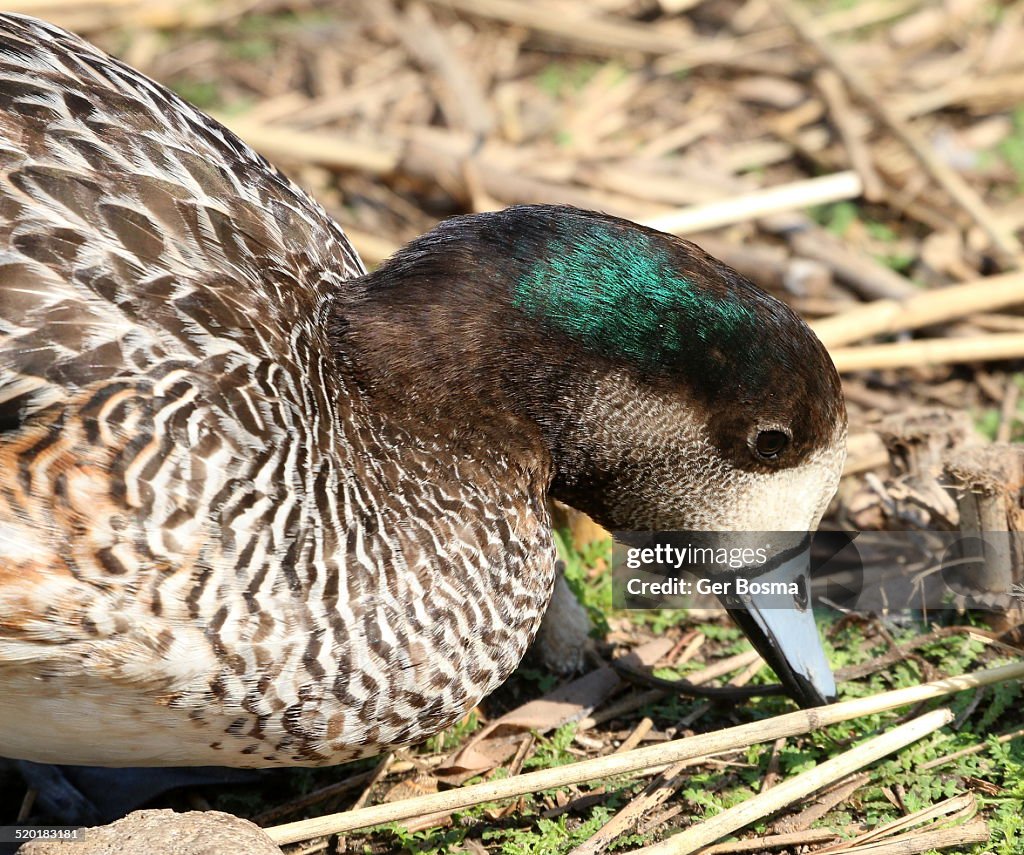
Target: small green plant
(840, 218)
(454, 736)
(587, 577)
(545, 681)
(547, 836)
(204, 94)
(552, 750)
(559, 79)
(988, 420)
(837, 217)
(1011, 149)
(435, 841)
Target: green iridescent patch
(618, 292)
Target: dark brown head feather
(481, 326)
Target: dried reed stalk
(930, 351)
(956, 809)
(770, 801)
(930, 307)
(657, 792)
(919, 842)
(320, 147)
(943, 174)
(791, 724)
(774, 841)
(760, 203)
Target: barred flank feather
(212, 550)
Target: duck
(261, 507)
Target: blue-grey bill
(787, 638)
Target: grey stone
(164, 832)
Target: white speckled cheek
(681, 480)
(792, 499)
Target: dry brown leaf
(499, 740)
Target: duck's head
(658, 388)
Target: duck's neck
(442, 366)
(546, 331)
(448, 365)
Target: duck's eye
(769, 444)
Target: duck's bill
(785, 634)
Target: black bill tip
(786, 636)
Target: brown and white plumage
(195, 501)
(259, 508)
